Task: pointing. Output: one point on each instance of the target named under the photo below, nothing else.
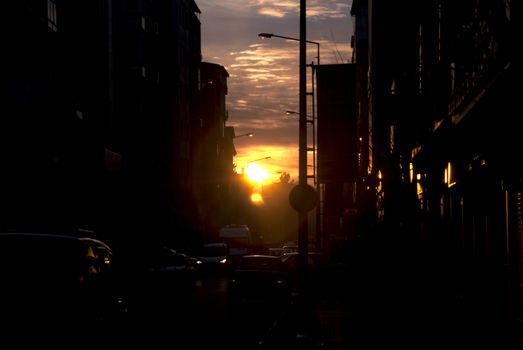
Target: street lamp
(250, 134)
(257, 160)
(310, 118)
(301, 198)
(270, 35)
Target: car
(258, 278)
(238, 238)
(276, 251)
(167, 271)
(316, 267)
(213, 258)
(58, 281)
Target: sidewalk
(332, 307)
(387, 300)
(387, 296)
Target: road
(204, 318)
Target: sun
(256, 173)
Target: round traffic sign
(303, 198)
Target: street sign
(303, 198)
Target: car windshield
(214, 251)
(259, 263)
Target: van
(238, 239)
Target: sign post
(303, 198)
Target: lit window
(449, 177)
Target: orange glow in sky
(282, 159)
(256, 173)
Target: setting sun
(256, 173)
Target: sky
(264, 73)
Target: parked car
(55, 280)
(158, 271)
(258, 278)
(170, 271)
(316, 265)
(276, 251)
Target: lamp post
(310, 120)
(303, 240)
(302, 197)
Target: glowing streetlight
(250, 134)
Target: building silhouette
(437, 89)
(103, 123)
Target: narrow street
(202, 319)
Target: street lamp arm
(256, 160)
(270, 35)
(250, 134)
(310, 119)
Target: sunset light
(318, 174)
(256, 173)
(282, 159)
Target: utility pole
(303, 227)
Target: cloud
(315, 9)
(270, 11)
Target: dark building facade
(337, 147)
(156, 65)
(212, 147)
(56, 93)
(100, 103)
(444, 147)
